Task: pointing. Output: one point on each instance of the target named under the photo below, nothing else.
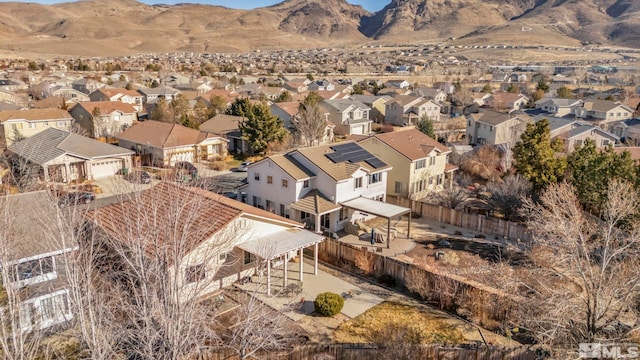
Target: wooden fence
(475, 222)
(374, 351)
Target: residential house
(420, 163)
(397, 83)
(628, 131)
(480, 98)
(573, 133)
(436, 95)
(70, 95)
(125, 96)
(495, 128)
(65, 157)
(557, 107)
(20, 124)
(87, 86)
(227, 126)
(350, 117)
(603, 112)
(35, 256)
(321, 85)
(287, 111)
(163, 144)
(409, 110)
(8, 96)
(296, 87)
(104, 119)
(217, 244)
(310, 184)
(376, 103)
(507, 101)
(151, 95)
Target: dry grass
(392, 321)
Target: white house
(350, 117)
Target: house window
(45, 311)
(421, 164)
(304, 215)
(61, 123)
(374, 178)
(248, 258)
(432, 160)
(358, 183)
(490, 128)
(344, 213)
(46, 123)
(32, 125)
(283, 211)
(256, 201)
(35, 271)
(305, 184)
(269, 179)
(439, 179)
(285, 183)
(605, 142)
(398, 187)
(195, 273)
(222, 257)
(116, 117)
(269, 205)
(256, 176)
(578, 142)
(469, 123)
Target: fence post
(480, 217)
(440, 214)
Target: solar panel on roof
(335, 157)
(341, 148)
(376, 163)
(359, 157)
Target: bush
(328, 303)
(387, 280)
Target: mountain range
(123, 27)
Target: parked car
(74, 198)
(243, 166)
(138, 177)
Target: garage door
(356, 130)
(105, 168)
(183, 156)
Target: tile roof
(106, 107)
(51, 143)
(412, 143)
(291, 166)
(170, 212)
(34, 114)
(163, 135)
(315, 203)
(337, 171)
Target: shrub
(328, 303)
(387, 280)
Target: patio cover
(280, 243)
(381, 209)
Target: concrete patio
(297, 305)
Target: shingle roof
(162, 135)
(221, 124)
(106, 107)
(34, 114)
(51, 143)
(315, 203)
(116, 91)
(412, 143)
(291, 166)
(160, 90)
(496, 118)
(200, 214)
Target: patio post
(389, 233)
(318, 225)
(301, 264)
(285, 269)
(409, 226)
(315, 260)
(269, 277)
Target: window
(248, 258)
(283, 210)
(305, 184)
(54, 307)
(374, 178)
(469, 123)
(61, 124)
(116, 117)
(439, 179)
(344, 213)
(398, 187)
(256, 176)
(45, 311)
(358, 183)
(304, 215)
(285, 183)
(256, 201)
(46, 123)
(421, 164)
(490, 127)
(269, 179)
(432, 160)
(222, 257)
(605, 142)
(195, 273)
(269, 205)
(38, 270)
(32, 125)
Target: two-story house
(104, 119)
(321, 85)
(350, 117)
(20, 124)
(34, 255)
(87, 86)
(227, 126)
(573, 133)
(628, 131)
(420, 163)
(507, 101)
(436, 95)
(151, 95)
(603, 112)
(131, 97)
(557, 107)
(70, 95)
(495, 128)
(310, 184)
(288, 112)
(163, 144)
(376, 103)
(409, 110)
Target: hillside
(120, 27)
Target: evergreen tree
(259, 126)
(425, 125)
(537, 157)
(590, 171)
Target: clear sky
(371, 5)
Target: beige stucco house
(19, 124)
(131, 97)
(419, 163)
(104, 119)
(409, 110)
(574, 133)
(495, 128)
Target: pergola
(279, 245)
(380, 209)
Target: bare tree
(507, 195)
(452, 197)
(584, 283)
(310, 124)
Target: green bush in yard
(328, 303)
